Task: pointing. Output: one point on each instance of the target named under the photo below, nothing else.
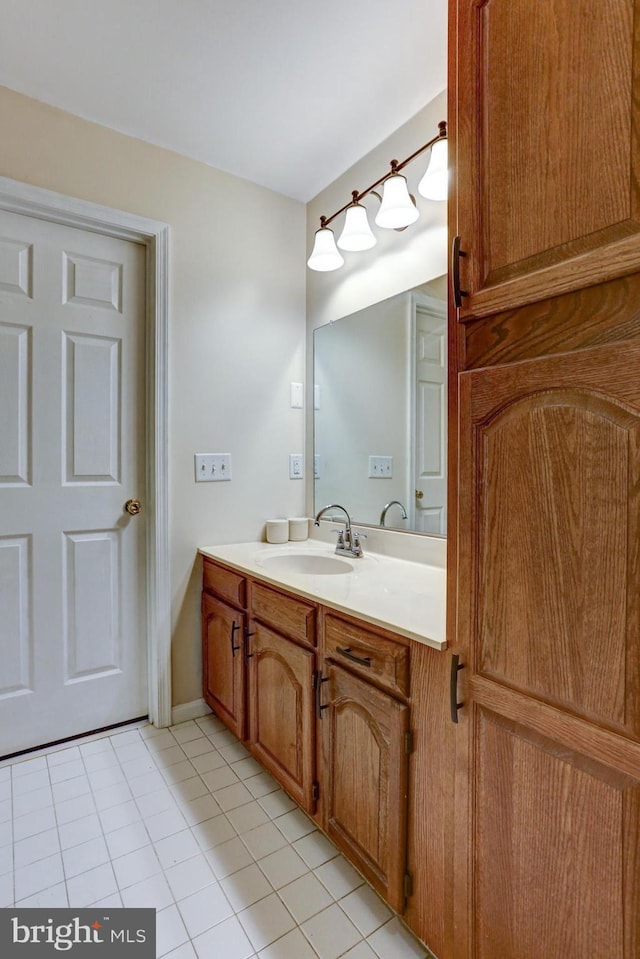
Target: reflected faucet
(393, 502)
(349, 540)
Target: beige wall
(399, 261)
(237, 328)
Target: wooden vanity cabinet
(259, 664)
(352, 720)
(281, 671)
(547, 624)
(545, 473)
(223, 631)
(543, 203)
(431, 799)
(366, 746)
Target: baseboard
(186, 711)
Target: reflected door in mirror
(429, 449)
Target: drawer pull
(318, 679)
(247, 654)
(360, 660)
(456, 666)
(234, 648)
(456, 253)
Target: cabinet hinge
(407, 885)
(315, 790)
(408, 742)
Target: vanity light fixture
(356, 234)
(397, 208)
(434, 183)
(325, 255)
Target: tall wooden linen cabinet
(544, 546)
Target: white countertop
(406, 597)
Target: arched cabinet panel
(561, 493)
(367, 766)
(281, 719)
(548, 622)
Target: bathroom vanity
(334, 678)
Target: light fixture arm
(395, 168)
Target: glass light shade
(325, 255)
(397, 209)
(434, 184)
(356, 234)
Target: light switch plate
(381, 467)
(212, 467)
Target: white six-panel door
(72, 583)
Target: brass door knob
(132, 506)
(419, 494)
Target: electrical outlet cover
(296, 466)
(297, 396)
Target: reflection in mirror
(380, 412)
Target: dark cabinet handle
(318, 679)
(456, 253)
(456, 666)
(234, 648)
(360, 660)
(247, 654)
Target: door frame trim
(19, 197)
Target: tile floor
(186, 821)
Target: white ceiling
(286, 93)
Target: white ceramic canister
(277, 530)
(298, 528)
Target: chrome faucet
(393, 502)
(348, 540)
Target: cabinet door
(281, 717)
(223, 662)
(546, 196)
(548, 820)
(366, 766)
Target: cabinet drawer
(291, 617)
(371, 656)
(224, 583)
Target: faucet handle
(356, 545)
(340, 533)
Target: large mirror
(380, 412)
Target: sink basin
(309, 564)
